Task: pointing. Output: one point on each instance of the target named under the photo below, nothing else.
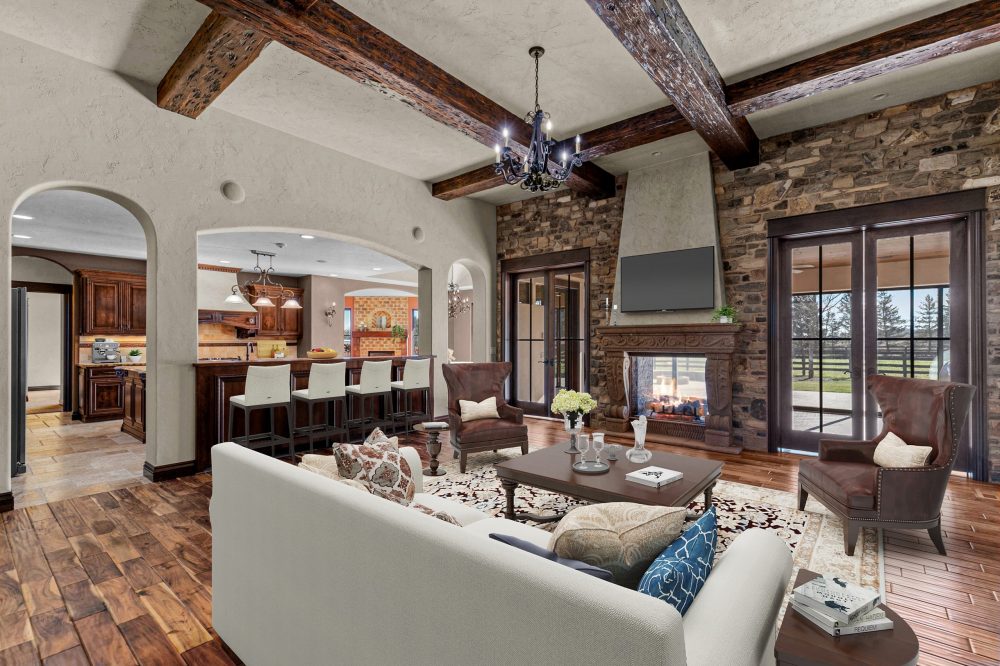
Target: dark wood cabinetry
(111, 303)
(276, 321)
(134, 387)
(102, 394)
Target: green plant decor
(725, 311)
(398, 332)
(135, 352)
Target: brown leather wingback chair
(846, 480)
(476, 382)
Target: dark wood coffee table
(801, 643)
(550, 469)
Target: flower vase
(638, 453)
(573, 427)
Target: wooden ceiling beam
(961, 29)
(660, 38)
(217, 54)
(333, 36)
(635, 131)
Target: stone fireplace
(678, 376)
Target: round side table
(433, 447)
(800, 642)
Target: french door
(891, 300)
(547, 335)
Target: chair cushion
(491, 429)
(576, 565)
(621, 537)
(850, 483)
(892, 451)
(238, 400)
(679, 572)
(396, 384)
(474, 411)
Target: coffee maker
(105, 351)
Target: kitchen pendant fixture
(457, 303)
(535, 171)
(262, 279)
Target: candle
(578, 144)
(496, 149)
(506, 136)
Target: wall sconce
(330, 313)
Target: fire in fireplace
(670, 387)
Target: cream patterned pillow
(473, 411)
(892, 451)
(622, 537)
(322, 465)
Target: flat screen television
(678, 280)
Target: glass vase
(638, 453)
(573, 427)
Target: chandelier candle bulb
(506, 137)
(577, 144)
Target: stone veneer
(932, 146)
(364, 309)
(936, 145)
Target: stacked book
(654, 476)
(840, 608)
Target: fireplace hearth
(678, 376)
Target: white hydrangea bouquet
(573, 405)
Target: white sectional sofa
(307, 571)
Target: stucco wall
(74, 124)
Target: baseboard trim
(6, 502)
(167, 472)
(48, 387)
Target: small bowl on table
(321, 355)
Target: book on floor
(874, 620)
(837, 598)
(654, 476)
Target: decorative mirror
(381, 320)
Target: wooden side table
(433, 447)
(801, 643)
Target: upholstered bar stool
(416, 377)
(267, 387)
(327, 386)
(374, 386)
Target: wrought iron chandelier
(457, 303)
(262, 279)
(535, 172)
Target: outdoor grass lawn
(836, 379)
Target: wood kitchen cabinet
(111, 303)
(102, 393)
(274, 320)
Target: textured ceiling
(587, 77)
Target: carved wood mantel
(716, 341)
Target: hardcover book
(837, 598)
(654, 476)
(872, 621)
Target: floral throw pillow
(378, 465)
(440, 515)
(349, 459)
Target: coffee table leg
(509, 487)
(695, 515)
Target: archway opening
(461, 314)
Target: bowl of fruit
(322, 352)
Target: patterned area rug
(814, 536)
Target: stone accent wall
(936, 145)
(565, 220)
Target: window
(347, 330)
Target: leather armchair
(476, 382)
(846, 480)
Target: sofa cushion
(322, 465)
(380, 465)
(485, 528)
(434, 513)
(491, 430)
(679, 572)
(475, 411)
(892, 451)
(376, 436)
(576, 565)
(464, 515)
(850, 483)
(622, 537)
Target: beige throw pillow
(892, 451)
(473, 411)
(622, 537)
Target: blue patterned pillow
(678, 573)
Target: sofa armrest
(847, 450)
(911, 493)
(511, 413)
(732, 620)
(412, 458)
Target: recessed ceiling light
(224, 261)
(333, 275)
(21, 216)
(880, 96)
(321, 261)
(21, 236)
(655, 153)
(376, 268)
(306, 236)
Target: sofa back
(309, 571)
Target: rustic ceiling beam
(961, 29)
(661, 39)
(217, 54)
(635, 131)
(333, 36)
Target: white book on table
(654, 476)
(872, 621)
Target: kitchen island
(217, 381)
(133, 399)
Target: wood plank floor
(124, 576)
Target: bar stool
(416, 377)
(326, 387)
(375, 378)
(267, 387)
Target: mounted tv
(678, 280)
